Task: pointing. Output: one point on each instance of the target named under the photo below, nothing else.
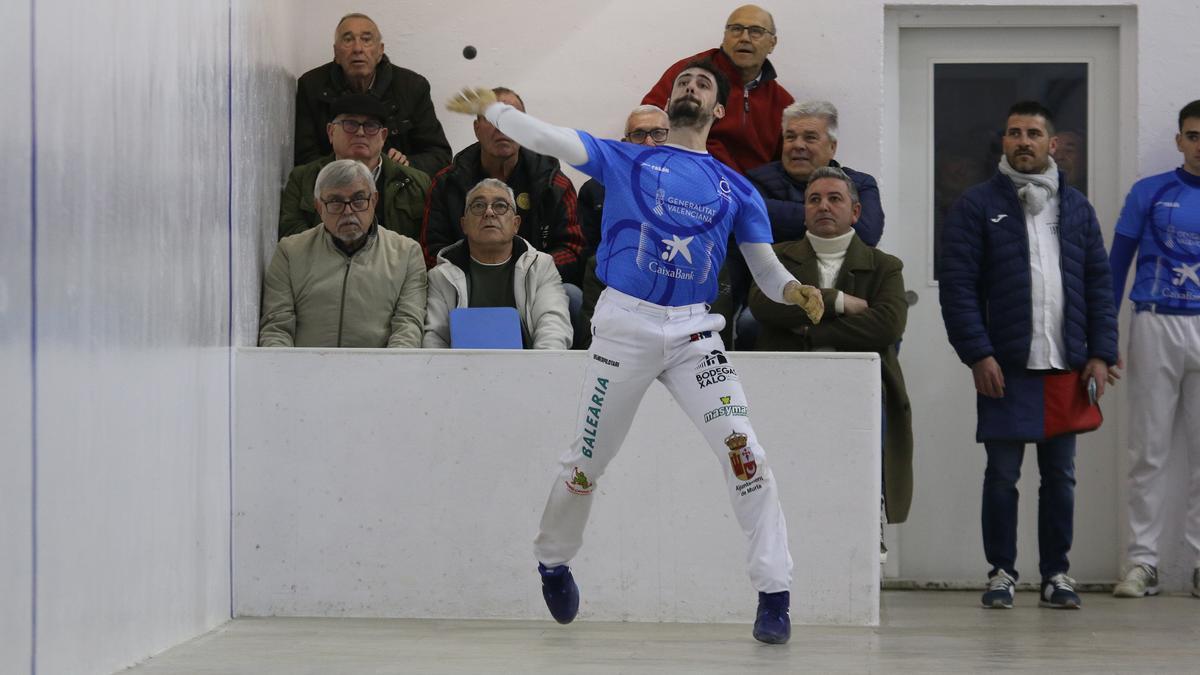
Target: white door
(941, 540)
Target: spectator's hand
(471, 101)
(1114, 373)
(807, 298)
(989, 381)
(1098, 369)
(853, 304)
(397, 157)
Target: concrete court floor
(920, 632)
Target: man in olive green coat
(865, 289)
(357, 132)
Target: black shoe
(1058, 592)
(774, 624)
(560, 592)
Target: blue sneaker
(560, 592)
(1058, 592)
(773, 625)
(999, 594)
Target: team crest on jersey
(740, 456)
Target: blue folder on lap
(485, 328)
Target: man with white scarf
(1026, 292)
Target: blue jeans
(1056, 504)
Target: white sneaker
(1140, 580)
(999, 594)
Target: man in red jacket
(748, 136)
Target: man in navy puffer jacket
(1026, 291)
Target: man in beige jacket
(347, 282)
(493, 267)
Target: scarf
(1034, 189)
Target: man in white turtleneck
(865, 288)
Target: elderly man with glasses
(358, 131)
(748, 136)
(349, 283)
(493, 267)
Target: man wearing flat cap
(358, 131)
(359, 66)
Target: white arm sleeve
(770, 274)
(537, 135)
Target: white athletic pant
(634, 343)
(1164, 388)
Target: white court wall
(585, 64)
(410, 484)
(131, 307)
(16, 382)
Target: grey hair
(343, 173)
(835, 173)
(646, 109)
(823, 109)
(492, 183)
(357, 15)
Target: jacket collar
(383, 76)
(800, 252)
(726, 64)
(459, 255)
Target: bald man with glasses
(748, 136)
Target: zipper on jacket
(342, 305)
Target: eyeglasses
(369, 127)
(639, 135)
(498, 207)
(338, 206)
(756, 32)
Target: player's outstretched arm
(778, 284)
(539, 136)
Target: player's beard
(687, 112)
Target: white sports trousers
(634, 343)
(1164, 390)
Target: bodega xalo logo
(714, 368)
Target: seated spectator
(493, 267)
(809, 143)
(545, 201)
(646, 125)
(358, 132)
(745, 137)
(866, 311)
(350, 283)
(359, 66)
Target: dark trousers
(1056, 503)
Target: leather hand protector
(807, 298)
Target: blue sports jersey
(667, 217)
(1163, 214)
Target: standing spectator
(1161, 224)
(350, 283)
(358, 132)
(746, 137)
(359, 66)
(493, 267)
(1026, 291)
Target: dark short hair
(499, 91)
(1032, 108)
(1190, 110)
(717, 75)
(834, 173)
